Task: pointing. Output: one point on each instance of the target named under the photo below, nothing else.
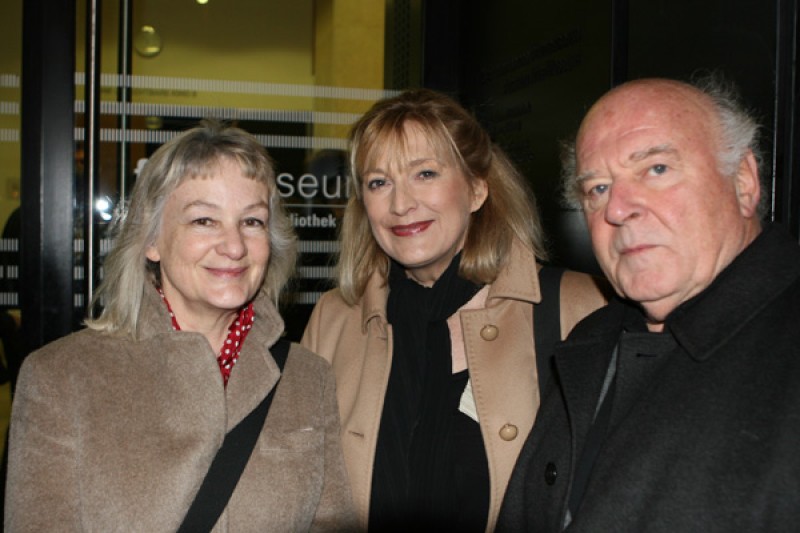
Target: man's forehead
(642, 118)
(633, 130)
(633, 143)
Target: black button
(550, 473)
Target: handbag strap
(231, 458)
(547, 321)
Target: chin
(641, 295)
(231, 302)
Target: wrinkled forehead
(642, 118)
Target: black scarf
(420, 453)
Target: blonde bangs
(388, 141)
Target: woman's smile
(430, 194)
(231, 272)
(408, 230)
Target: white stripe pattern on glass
(237, 86)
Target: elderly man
(677, 407)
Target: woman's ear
(152, 253)
(480, 192)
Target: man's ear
(748, 186)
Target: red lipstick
(411, 229)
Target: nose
(232, 244)
(624, 203)
(403, 200)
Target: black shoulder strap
(547, 320)
(231, 458)
(280, 353)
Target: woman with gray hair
(116, 427)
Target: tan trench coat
(109, 434)
(358, 342)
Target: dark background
(530, 70)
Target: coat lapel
(377, 361)
(637, 371)
(256, 372)
(581, 367)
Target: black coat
(703, 438)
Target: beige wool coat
(109, 434)
(358, 342)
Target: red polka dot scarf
(237, 332)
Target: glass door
(295, 74)
(10, 96)
(103, 84)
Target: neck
(658, 312)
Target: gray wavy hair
(739, 133)
(192, 154)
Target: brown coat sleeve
(43, 446)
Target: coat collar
(751, 282)
(154, 319)
(700, 326)
(254, 374)
(517, 280)
(257, 372)
(373, 304)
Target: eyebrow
(641, 155)
(637, 156)
(410, 164)
(203, 203)
(423, 160)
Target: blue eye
(658, 169)
(595, 195)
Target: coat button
(508, 432)
(489, 332)
(550, 473)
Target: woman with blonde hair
(179, 406)
(430, 330)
